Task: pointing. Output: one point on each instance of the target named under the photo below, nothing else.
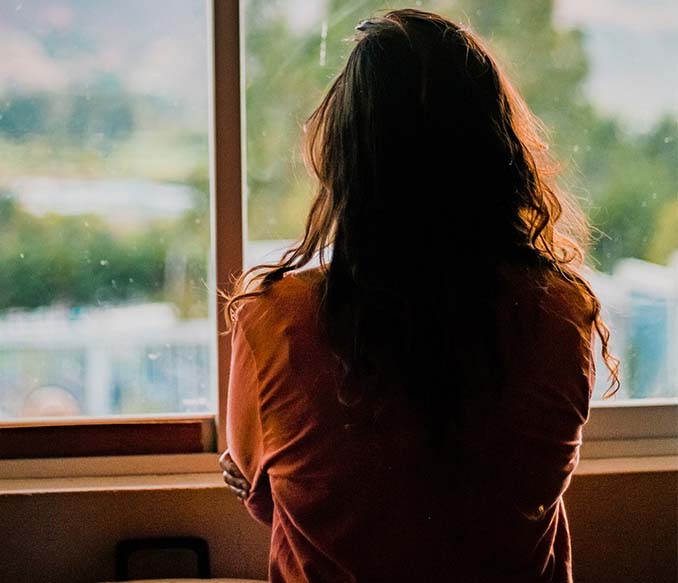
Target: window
(105, 157)
(104, 200)
(597, 74)
(108, 267)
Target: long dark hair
(431, 170)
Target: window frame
(615, 431)
(173, 433)
(641, 428)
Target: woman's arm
(543, 410)
(548, 374)
(243, 426)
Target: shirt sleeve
(243, 426)
(541, 421)
(542, 413)
(548, 377)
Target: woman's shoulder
(558, 295)
(292, 298)
(295, 287)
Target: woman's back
(354, 497)
(414, 412)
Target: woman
(412, 410)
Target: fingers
(236, 482)
(236, 487)
(228, 465)
(234, 479)
(232, 469)
(225, 458)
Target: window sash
(629, 429)
(105, 437)
(173, 434)
(638, 428)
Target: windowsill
(111, 483)
(110, 466)
(212, 479)
(157, 472)
(201, 471)
(640, 429)
(628, 465)
(628, 438)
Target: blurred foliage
(627, 181)
(72, 259)
(75, 260)
(81, 260)
(664, 241)
(98, 117)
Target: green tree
(626, 181)
(76, 260)
(23, 116)
(106, 109)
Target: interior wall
(624, 529)
(70, 538)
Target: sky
(155, 47)
(633, 51)
(158, 47)
(632, 47)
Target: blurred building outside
(144, 359)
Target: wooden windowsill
(631, 439)
(33, 486)
(628, 465)
(111, 473)
(109, 466)
(202, 472)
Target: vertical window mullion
(228, 223)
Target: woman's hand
(233, 477)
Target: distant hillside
(154, 47)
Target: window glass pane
(104, 208)
(602, 75)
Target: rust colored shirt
(348, 502)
